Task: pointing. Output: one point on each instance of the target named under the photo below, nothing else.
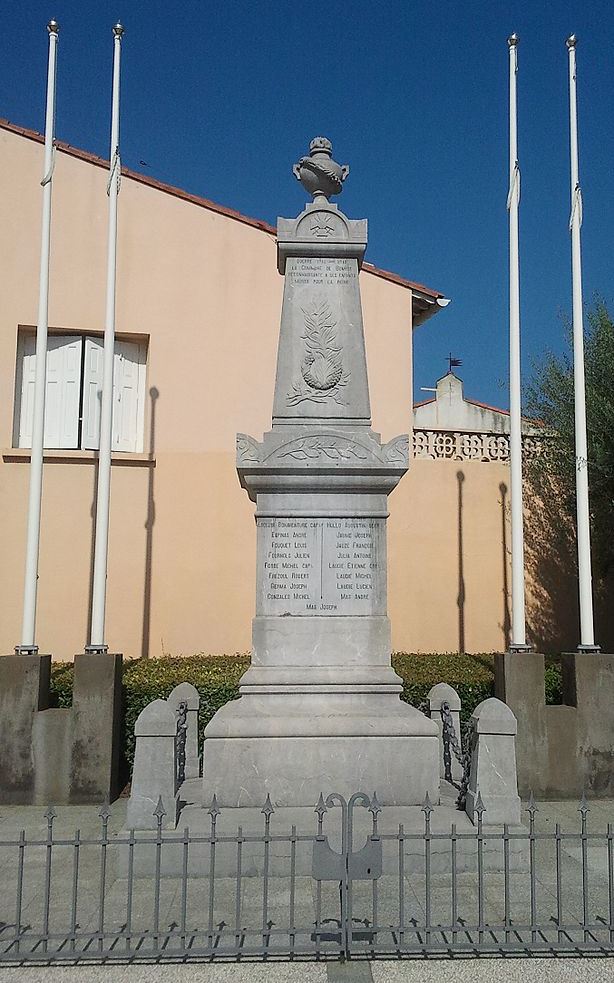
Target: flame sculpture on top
(319, 174)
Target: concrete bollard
(493, 764)
(439, 694)
(187, 693)
(154, 776)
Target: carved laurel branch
(332, 448)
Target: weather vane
(453, 363)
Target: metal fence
(282, 892)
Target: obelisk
(319, 709)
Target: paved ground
(546, 970)
(436, 971)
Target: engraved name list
(320, 566)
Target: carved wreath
(322, 375)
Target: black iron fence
(280, 891)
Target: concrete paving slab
(513, 970)
(193, 973)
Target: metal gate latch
(359, 865)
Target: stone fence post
(155, 768)
(186, 693)
(493, 764)
(438, 695)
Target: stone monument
(319, 709)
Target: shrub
(472, 676)
(217, 680)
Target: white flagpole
(518, 639)
(28, 645)
(101, 543)
(587, 636)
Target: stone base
(294, 746)
(195, 818)
(294, 770)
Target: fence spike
(267, 809)
(531, 805)
(104, 812)
(480, 808)
(584, 807)
(51, 814)
(213, 810)
(374, 805)
(159, 812)
(427, 808)
(321, 807)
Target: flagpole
(518, 642)
(28, 645)
(587, 636)
(101, 542)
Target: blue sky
(221, 99)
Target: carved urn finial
(319, 174)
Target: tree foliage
(550, 399)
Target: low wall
(59, 755)
(564, 750)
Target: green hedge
(217, 680)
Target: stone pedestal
(320, 707)
(493, 765)
(154, 776)
(96, 712)
(24, 690)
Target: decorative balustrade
(457, 445)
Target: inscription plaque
(319, 272)
(321, 566)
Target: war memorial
(322, 816)
(320, 701)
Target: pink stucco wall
(203, 288)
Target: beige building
(198, 307)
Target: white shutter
(92, 392)
(128, 396)
(28, 375)
(62, 391)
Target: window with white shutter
(74, 389)
(62, 395)
(128, 394)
